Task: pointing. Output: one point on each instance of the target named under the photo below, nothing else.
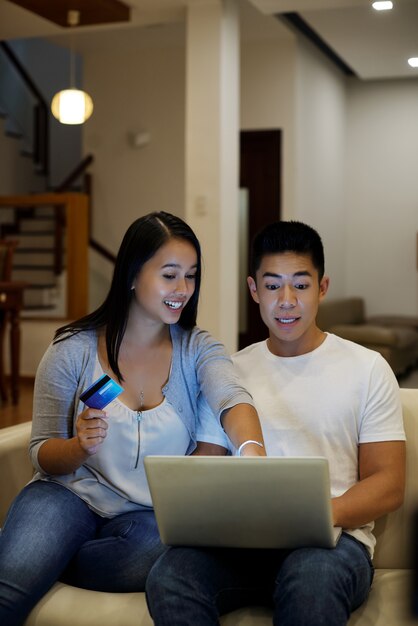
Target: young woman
(87, 516)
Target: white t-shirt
(323, 403)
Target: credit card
(101, 392)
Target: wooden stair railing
(79, 171)
(65, 187)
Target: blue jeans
(306, 587)
(51, 534)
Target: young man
(316, 395)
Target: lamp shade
(72, 106)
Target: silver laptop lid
(243, 502)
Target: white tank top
(118, 466)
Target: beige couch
(388, 603)
(395, 337)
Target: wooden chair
(7, 248)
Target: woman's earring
(133, 287)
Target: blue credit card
(101, 392)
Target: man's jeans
(307, 586)
(50, 533)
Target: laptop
(242, 502)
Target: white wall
(382, 195)
(320, 127)
(135, 87)
(288, 84)
(268, 100)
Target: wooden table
(11, 302)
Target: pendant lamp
(72, 106)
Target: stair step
(6, 217)
(33, 250)
(34, 276)
(39, 224)
(46, 300)
(40, 286)
(36, 307)
(46, 297)
(47, 312)
(32, 266)
(27, 153)
(45, 211)
(16, 134)
(37, 232)
(32, 258)
(11, 129)
(33, 240)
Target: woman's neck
(146, 335)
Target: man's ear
(323, 287)
(253, 289)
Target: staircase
(57, 274)
(35, 230)
(51, 227)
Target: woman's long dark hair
(141, 241)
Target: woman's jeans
(51, 534)
(306, 586)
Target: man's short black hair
(292, 236)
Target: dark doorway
(260, 174)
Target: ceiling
(87, 13)
(373, 45)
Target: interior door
(260, 176)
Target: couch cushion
(64, 605)
(389, 601)
(388, 605)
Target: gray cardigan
(199, 364)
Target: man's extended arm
(380, 488)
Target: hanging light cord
(73, 19)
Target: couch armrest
(395, 532)
(15, 467)
(409, 321)
(370, 335)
